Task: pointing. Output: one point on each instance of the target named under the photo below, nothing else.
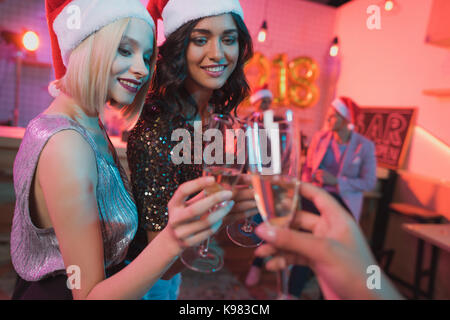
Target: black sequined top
(154, 177)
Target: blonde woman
(74, 216)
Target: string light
(262, 35)
(30, 41)
(334, 50)
(389, 5)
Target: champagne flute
(274, 162)
(241, 232)
(223, 159)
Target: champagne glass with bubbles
(224, 159)
(274, 163)
(242, 232)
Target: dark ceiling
(333, 3)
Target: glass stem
(283, 284)
(204, 246)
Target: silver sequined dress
(35, 252)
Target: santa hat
(261, 93)
(176, 13)
(72, 21)
(346, 108)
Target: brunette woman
(200, 70)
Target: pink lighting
(389, 5)
(30, 41)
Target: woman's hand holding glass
(221, 157)
(244, 201)
(191, 222)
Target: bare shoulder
(67, 155)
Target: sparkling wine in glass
(242, 232)
(222, 159)
(274, 162)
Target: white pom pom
(53, 89)
(351, 126)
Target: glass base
(194, 259)
(240, 236)
(283, 296)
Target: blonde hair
(89, 68)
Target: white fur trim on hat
(258, 95)
(93, 15)
(177, 12)
(53, 89)
(343, 110)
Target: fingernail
(216, 226)
(225, 195)
(210, 180)
(266, 232)
(230, 204)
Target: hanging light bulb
(334, 49)
(30, 41)
(389, 5)
(262, 35)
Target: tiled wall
(298, 28)
(19, 15)
(295, 27)
(392, 66)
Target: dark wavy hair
(168, 89)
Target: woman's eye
(229, 40)
(124, 52)
(199, 41)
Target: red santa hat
(72, 21)
(176, 13)
(261, 93)
(346, 108)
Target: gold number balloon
(257, 71)
(303, 92)
(291, 82)
(279, 64)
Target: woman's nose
(140, 68)
(216, 51)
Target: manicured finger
(244, 206)
(245, 180)
(186, 230)
(195, 239)
(204, 205)
(243, 194)
(220, 212)
(198, 197)
(196, 209)
(189, 188)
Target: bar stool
(423, 216)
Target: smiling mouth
(130, 85)
(215, 71)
